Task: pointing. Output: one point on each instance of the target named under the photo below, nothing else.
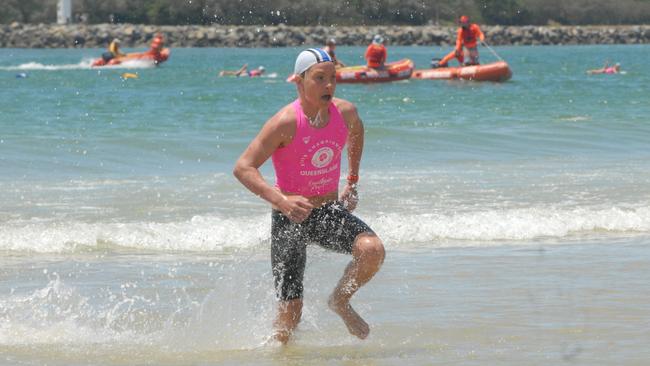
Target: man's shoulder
(346, 108)
(285, 117)
(281, 126)
(343, 104)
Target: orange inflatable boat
(398, 70)
(496, 71)
(150, 55)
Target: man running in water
(305, 140)
(467, 36)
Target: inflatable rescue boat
(398, 70)
(150, 55)
(495, 71)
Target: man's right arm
(277, 131)
(259, 151)
(459, 40)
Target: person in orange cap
(157, 43)
(468, 35)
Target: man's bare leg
(367, 257)
(289, 313)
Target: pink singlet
(310, 165)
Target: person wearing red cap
(157, 43)
(468, 34)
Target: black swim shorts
(331, 226)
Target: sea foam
(216, 233)
(83, 64)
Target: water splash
(164, 305)
(82, 65)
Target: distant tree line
(333, 12)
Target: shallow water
(581, 303)
(516, 216)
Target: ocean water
(516, 216)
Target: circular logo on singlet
(322, 157)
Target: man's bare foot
(281, 336)
(356, 325)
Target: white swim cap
(261, 68)
(309, 58)
(378, 39)
(116, 40)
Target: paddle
(491, 50)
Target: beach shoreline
(17, 35)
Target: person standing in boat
(468, 35)
(330, 47)
(306, 139)
(376, 53)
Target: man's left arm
(355, 150)
(481, 36)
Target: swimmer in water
(606, 69)
(243, 71)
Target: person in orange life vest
(330, 46)
(467, 37)
(376, 53)
(157, 43)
